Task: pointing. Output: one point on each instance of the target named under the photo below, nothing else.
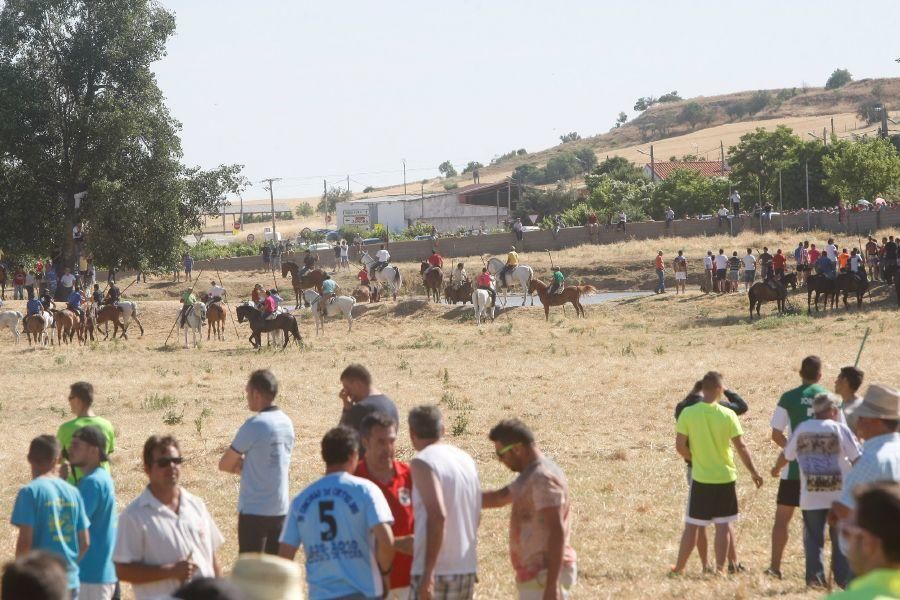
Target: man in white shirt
(735, 202)
(382, 258)
(749, 269)
(707, 273)
(447, 506)
(458, 276)
(166, 536)
(66, 284)
(215, 293)
(824, 448)
(721, 270)
(847, 385)
(831, 250)
(723, 214)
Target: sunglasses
(162, 463)
(506, 449)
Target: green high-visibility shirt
(558, 277)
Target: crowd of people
(371, 527)
(722, 272)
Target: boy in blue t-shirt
(336, 519)
(49, 512)
(87, 451)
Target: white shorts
(534, 589)
(96, 591)
(680, 276)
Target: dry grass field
(599, 393)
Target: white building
(472, 207)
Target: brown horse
(461, 294)
(109, 313)
(432, 279)
(67, 325)
(570, 294)
(364, 293)
(761, 292)
(215, 321)
(849, 282)
(821, 285)
(311, 279)
(36, 328)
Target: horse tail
(397, 276)
(588, 289)
(295, 331)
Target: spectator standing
(66, 285)
(721, 271)
(679, 267)
(824, 448)
(447, 507)
(18, 279)
(660, 273)
(749, 269)
(261, 454)
(394, 479)
(722, 214)
(50, 512)
(96, 571)
(539, 526)
(166, 536)
(708, 264)
(779, 261)
(81, 401)
(29, 283)
(794, 407)
(37, 576)
(345, 255)
(706, 432)
(623, 222)
(517, 229)
(735, 202)
(361, 398)
(337, 256)
(188, 266)
(670, 217)
(847, 385)
(891, 259)
(873, 543)
(734, 271)
(343, 523)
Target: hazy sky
(305, 90)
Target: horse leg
(547, 311)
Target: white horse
(196, 316)
(129, 313)
(481, 302)
(341, 305)
(522, 274)
(11, 320)
(389, 275)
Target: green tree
(572, 136)
(688, 193)
(619, 169)
(446, 169)
(587, 159)
(838, 78)
(692, 114)
(472, 166)
(334, 195)
(621, 119)
(862, 169)
(758, 157)
(304, 210)
(670, 97)
(528, 174)
(562, 166)
(82, 113)
(642, 104)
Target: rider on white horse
(382, 258)
(486, 282)
(329, 291)
(187, 300)
(512, 261)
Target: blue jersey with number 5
(333, 519)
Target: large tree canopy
(80, 110)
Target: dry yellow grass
(598, 392)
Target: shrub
(838, 78)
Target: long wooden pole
(166, 343)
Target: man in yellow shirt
(872, 542)
(512, 261)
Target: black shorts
(712, 503)
(720, 274)
(788, 492)
(258, 533)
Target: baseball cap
(880, 402)
(263, 576)
(93, 437)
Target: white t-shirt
(344, 251)
(831, 251)
(458, 477)
(749, 262)
(855, 261)
(67, 280)
(721, 262)
(150, 533)
(708, 262)
(216, 291)
(723, 212)
(823, 449)
(383, 255)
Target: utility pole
(652, 165)
(780, 202)
(498, 206)
(404, 176)
(508, 197)
(270, 181)
(722, 157)
(348, 183)
(806, 168)
(325, 200)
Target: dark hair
(713, 377)
(811, 367)
(37, 576)
(84, 391)
(891, 425)
(158, 442)
(425, 421)
(44, 449)
(375, 419)
(853, 376)
(511, 431)
(338, 444)
(264, 382)
(357, 372)
(878, 512)
(208, 588)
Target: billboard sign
(356, 216)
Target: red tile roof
(707, 168)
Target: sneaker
(772, 573)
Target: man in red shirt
(435, 260)
(486, 282)
(778, 263)
(394, 479)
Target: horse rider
(112, 294)
(363, 277)
(825, 267)
(512, 261)
(73, 302)
(329, 291)
(486, 282)
(47, 302)
(33, 306)
(188, 299)
(309, 262)
(435, 261)
(856, 265)
(257, 295)
(97, 295)
(458, 277)
(558, 282)
(215, 293)
(270, 305)
(382, 257)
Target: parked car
(267, 235)
(372, 241)
(333, 236)
(320, 246)
(527, 228)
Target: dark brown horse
(107, 313)
(570, 294)
(821, 285)
(311, 279)
(849, 282)
(433, 280)
(763, 291)
(461, 294)
(284, 322)
(67, 325)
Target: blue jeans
(661, 286)
(814, 525)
